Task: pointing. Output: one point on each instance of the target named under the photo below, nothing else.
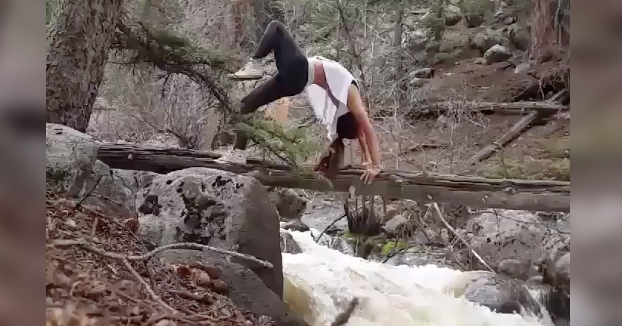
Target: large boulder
(518, 35)
(72, 169)
(215, 208)
(497, 53)
(557, 273)
(288, 203)
(452, 15)
(244, 288)
(499, 293)
(106, 190)
(295, 225)
(517, 241)
(70, 156)
(134, 180)
(488, 38)
(288, 244)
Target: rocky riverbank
(92, 209)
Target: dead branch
(341, 217)
(147, 287)
(437, 108)
(183, 245)
(420, 147)
(343, 317)
(451, 228)
(521, 126)
(516, 130)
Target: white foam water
(320, 282)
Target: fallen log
(517, 129)
(514, 108)
(514, 132)
(535, 195)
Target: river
(320, 282)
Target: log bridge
(532, 195)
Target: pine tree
(80, 36)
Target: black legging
(290, 80)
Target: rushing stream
(320, 282)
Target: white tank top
(339, 80)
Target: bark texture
(77, 50)
(536, 195)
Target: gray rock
(499, 293)
(487, 38)
(442, 58)
(322, 213)
(433, 47)
(423, 73)
(417, 82)
(557, 273)
(134, 180)
(474, 19)
(418, 256)
(522, 68)
(398, 226)
(562, 268)
(288, 203)
(452, 15)
(288, 244)
(70, 156)
(514, 268)
(497, 53)
(338, 243)
(162, 140)
(295, 225)
(509, 20)
(515, 235)
(216, 208)
(107, 191)
(245, 289)
(518, 35)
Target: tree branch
(183, 245)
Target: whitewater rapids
(320, 282)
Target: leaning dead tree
(81, 35)
(535, 195)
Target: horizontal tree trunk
(535, 195)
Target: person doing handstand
(332, 91)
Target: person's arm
(365, 156)
(355, 106)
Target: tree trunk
(549, 35)
(398, 32)
(77, 51)
(537, 195)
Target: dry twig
(183, 245)
(451, 228)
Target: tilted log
(514, 132)
(535, 195)
(515, 108)
(517, 129)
